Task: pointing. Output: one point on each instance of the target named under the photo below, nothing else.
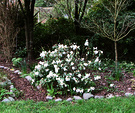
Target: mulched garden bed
(29, 92)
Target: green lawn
(113, 105)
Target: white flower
(46, 69)
(87, 75)
(32, 81)
(73, 68)
(38, 67)
(67, 78)
(41, 63)
(77, 90)
(58, 79)
(74, 47)
(55, 75)
(81, 91)
(45, 64)
(89, 62)
(65, 85)
(97, 59)
(71, 52)
(85, 64)
(60, 45)
(64, 53)
(111, 85)
(68, 55)
(74, 88)
(65, 69)
(50, 74)
(53, 62)
(61, 82)
(70, 74)
(43, 54)
(88, 90)
(101, 52)
(84, 68)
(60, 55)
(72, 63)
(74, 78)
(95, 48)
(82, 59)
(86, 43)
(96, 52)
(56, 68)
(36, 73)
(61, 65)
(52, 53)
(79, 75)
(68, 60)
(58, 61)
(92, 88)
(65, 46)
(97, 77)
(82, 79)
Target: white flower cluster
(64, 66)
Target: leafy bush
(65, 70)
(52, 32)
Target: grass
(113, 105)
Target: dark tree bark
(28, 12)
(79, 13)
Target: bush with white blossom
(68, 72)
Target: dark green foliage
(44, 3)
(52, 32)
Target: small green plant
(17, 92)
(4, 92)
(21, 63)
(17, 61)
(21, 52)
(51, 91)
(134, 72)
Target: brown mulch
(28, 91)
(31, 93)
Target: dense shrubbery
(64, 70)
(53, 31)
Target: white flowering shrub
(66, 70)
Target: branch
(32, 7)
(126, 34)
(84, 7)
(21, 6)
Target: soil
(29, 92)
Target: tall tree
(73, 9)
(113, 23)
(28, 12)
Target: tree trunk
(116, 56)
(29, 37)
(76, 17)
(28, 11)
